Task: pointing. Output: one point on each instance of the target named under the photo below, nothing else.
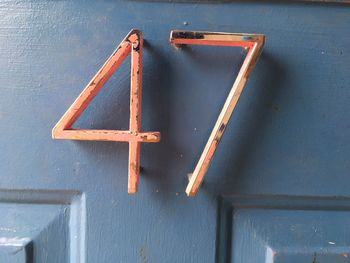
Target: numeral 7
(254, 44)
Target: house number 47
(133, 44)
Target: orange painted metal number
(254, 43)
(132, 44)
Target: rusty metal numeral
(254, 44)
(132, 44)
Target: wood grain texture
(290, 132)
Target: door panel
(283, 229)
(42, 226)
(287, 143)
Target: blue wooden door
(278, 187)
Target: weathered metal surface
(132, 44)
(254, 44)
(290, 134)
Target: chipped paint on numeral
(132, 44)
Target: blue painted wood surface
(289, 135)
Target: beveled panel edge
(74, 199)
